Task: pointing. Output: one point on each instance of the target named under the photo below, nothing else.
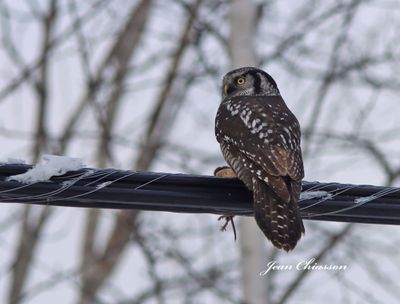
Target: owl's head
(248, 81)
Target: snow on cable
(49, 166)
(307, 195)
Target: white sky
(194, 130)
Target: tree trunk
(252, 242)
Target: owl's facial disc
(240, 84)
(248, 81)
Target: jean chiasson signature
(310, 264)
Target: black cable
(117, 189)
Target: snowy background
(136, 85)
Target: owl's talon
(228, 218)
(225, 172)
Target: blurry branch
(151, 259)
(81, 40)
(119, 54)
(116, 65)
(29, 239)
(42, 82)
(30, 231)
(93, 280)
(183, 288)
(329, 76)
(335, 71)
(208, 277)
(302, 30)
(332, 243)
(95, 274)
(188, 280)
(341, 73)
(366, 294)
(195, 280)
(88, 255)
(371, 147)
(92, 82)
(7, 41)
(365, 112)
(48, 283)
(27, 72)
(388, 283)
(192, 161)
(123, 51)
(205, 26)
(391, 174)
(167, 104)
(34, 9)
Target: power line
(118, 189)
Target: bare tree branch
(28, 71)
(329, 76)
(42, 82)
(119, 54)
(162, 116)
(30, 232)
(28, 242)
(332, 242)
(97, 273)
(117, 61)
(124, 50)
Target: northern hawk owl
(260, 140)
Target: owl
(260, 140)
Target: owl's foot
(225, 172)
(228, 218)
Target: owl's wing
(265, 130)
(260, 139)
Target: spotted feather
(260, 140)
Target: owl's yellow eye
(240, 80)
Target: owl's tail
(279, 220)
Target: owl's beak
(226, 87)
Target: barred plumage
(260, 140)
